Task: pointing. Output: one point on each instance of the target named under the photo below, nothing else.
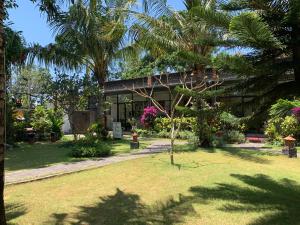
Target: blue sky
(27, 18)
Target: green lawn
(214, 186)
(26, 156)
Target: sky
(27, 18)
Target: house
(125, 104)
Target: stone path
(60, 169)
(248, 145)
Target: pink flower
(296, 111)
(150, 112)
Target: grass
(27, 156)
(213, 186)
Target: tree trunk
(296, 53)
(201, 123)
(172, 141)
(100, 74)
(2, 114)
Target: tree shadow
(280, 200)
(244, 154)
(277, 201)
(125, 208)
(13, 211)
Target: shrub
(99, 130)
(218, 141)
(234, 136)
(231, 122)
(146, 133)
(164, 123)
(19, 130)
(90, 148)
(186, 135)
(163, 134)
(272, 130)
(283, 108)
(290, 126)
(278, 128)
(149, 116)
(56, 118)
(296, 112)
(40, 121)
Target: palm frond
(250, 30)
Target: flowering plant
(148, 117)
(296, 112)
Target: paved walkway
(60, 169)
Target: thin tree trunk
(2, 114)
(203, 141)
(100, 75)
(296, 53)
(172, 141)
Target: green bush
(164, 123)
(90, 148)
(40, 121)
(19, 130)
(229, 121)
(99, 130)
(234, 136)
(186, 135)
(218, 141)
(163, 134)
(278, 128)
(290, 126)
(146, 133)
(56, 118)
(283, 108)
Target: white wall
(66, 128)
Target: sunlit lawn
(214, 186)
(26, 156)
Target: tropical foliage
(283, 121)
(269, 33)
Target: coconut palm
(184, 33)
(90, 34)
(2, 113)
(187, 37)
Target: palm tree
(89, 34)
(2, 112)
(270, 32)
(186, 36)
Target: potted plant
(133, 124)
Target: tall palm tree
(182, 32)
(90, 34)
(188, 37)
(2, 112)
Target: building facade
(125, 104)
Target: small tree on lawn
(66, 94)
(178, 99)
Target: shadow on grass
(248, 155)
(125, 208)
(38, 155)
(277, 202)
(280, 200)
(14, 211)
